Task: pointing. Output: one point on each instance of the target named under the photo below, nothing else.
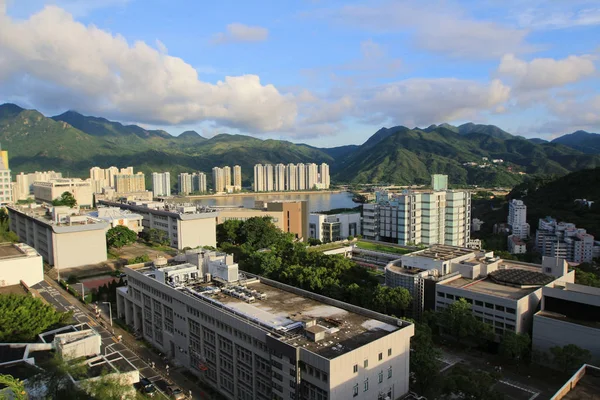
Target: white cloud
(419, 102)
(545, 73)
(438, 27)
(57, 59)
(552, 14)
(236, 33)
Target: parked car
(147, 387)
(175, 393)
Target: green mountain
(556, 197)
(36, 142)
(581, 140)
(73, 143)
(405, 156)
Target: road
(149, 364)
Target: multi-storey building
(568, 315)
(564, 240)
(54, 188)
(427, 217)
(269, 175)
(503, 293)
(237, 177)
(301, 176)
(227, 176)
(183, 225)
(439, 182)
(102, 178)
(6, 187)
(516, 245)
(63, 237)
(199, 182)
(161, 184)
(130, 183)
(259, 178)
(218, 175)
(291, 177)
(324, 176)
(331, 228)
(24, 182)
(20, 262)
(184, 183)
(252, 338)
(312, 176)
(279, 184)
(517, 219)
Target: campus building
(182, 225)
(254, 338)
(115, 216)
(568, 315)
(419, 217)
(503, 293)
(24, 182)
(54, 188)
(20, 262)
(331, 228)
(64, 237)
(564, 239)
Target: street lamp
(109, 311)
(82, 291)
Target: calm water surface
(316, 201)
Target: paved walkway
(149, 364)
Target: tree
(65, 199)
(259, 233)
(109, 387)
(314, 242)
(15, 385)
(424, 361)
(158, 236)
(228, 232)
(391, 300)
(515, 346)
(22, 318)
(467, 383)
(120, 236)
(458, 320)
(569, 357)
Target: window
(355, 368)
(389, 372)
(489, 305)
(355, 390)
(478, 303)
(389, 352)
(499, 308)
(380, 376)
(366, 363)
(380, 356)
(366, 385)
(511, 310)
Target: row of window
(148, 288)
(366, 382)
(366, 361)
(478, 303)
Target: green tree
(158, 236)
(458, 320)
(109, 387)
(65, 199)
(515, 346)
(15, 385)
(228, 232)
(259, 233)
(424, 361)
(468, 383)
(586, 278)
(22, 318)
(569, 357)
(120, 236)
(391, 300)
(314, 242)
(56, 378)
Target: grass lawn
(381, 247)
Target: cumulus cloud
(552, 14)
(418, 102)
(235, 33)
(441, 28)
(545, 73)
(50, 54)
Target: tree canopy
(570, 357)
(458, 320)
(65, 199)
(22, 318)
(120, 236)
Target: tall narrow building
(517, 219)
(259, 178)
(312, 175)
(269, 178)
(279, 182)
(291, 175)
(324, 176)
(237, 177)
(161, 184)
(226, 176)
(5, 181)
(184, 183)
(301, 176)
(218, 176)
(199, 182)
(130, 183)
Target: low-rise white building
(516, 245)
(63, 236)
(570, 314)
(331, 228)
(20, 262)
(115, 216)
(52, 189)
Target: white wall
(76, 249)
(28, 269)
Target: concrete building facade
(564, 239)
(24, 182)
(441, 217)
(130, 183)
(517, 219)
(161, 184)
(439, 182)
(184, 225)
(115, 216)
(184, 183)
(199, 182)
(237, 178)
(331, 228)
(568, 315)
(20, 262)
(54, 188)
(290, 177)
(253, 338)
(62, 236)
(516, 245)
(6, 186)
(258, 184)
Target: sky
(322, 72)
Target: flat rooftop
(490, 288)
(564, 318)
(8, 250)
(284, 311)
(442, 252)
(588, 386)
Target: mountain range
(72, 143)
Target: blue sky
(326, 73)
